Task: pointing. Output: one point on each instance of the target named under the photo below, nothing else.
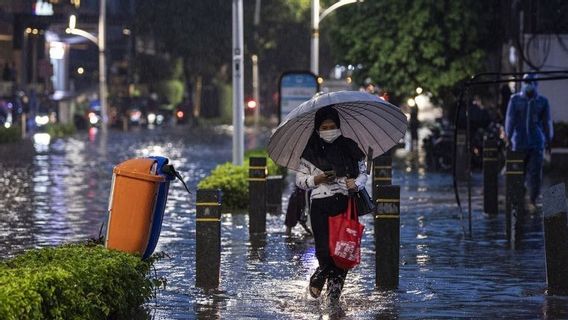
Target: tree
(404, 44)
(197, 32)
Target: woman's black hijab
(341, 155)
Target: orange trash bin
(133, 194)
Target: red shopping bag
(345, 233)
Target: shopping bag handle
(351, 208)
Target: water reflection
(61, 195)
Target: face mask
(330, 135)
(528, 88)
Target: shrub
(233, 180)
(58, 130)
(74, 282)
(11, 134)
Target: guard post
(387, 237)
(208, 238)
(257, 195)
(382, 172)
(556, 239)
(490, 177)
(274, 194)
(514, 195)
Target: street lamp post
(316, 19)
(101, 44)
(238, 84)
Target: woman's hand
(323, 178)
(351, 186)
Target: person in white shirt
(331, 166)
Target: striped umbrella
(370, 121)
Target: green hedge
(233, 180)
(58, 130)
(74, 282)
(11, 134)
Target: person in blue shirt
(528, 127)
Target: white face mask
(330, 135)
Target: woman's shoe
(317, 280)
(335, 283)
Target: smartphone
(329, 173)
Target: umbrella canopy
(368, 120)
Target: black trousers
(320, 211)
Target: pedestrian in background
(413, 125)
(528, 127)
(331, 166)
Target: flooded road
(61, 195)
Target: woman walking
(332, 166)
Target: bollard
(462, 165)
(382, 172)
(208, 238)
(387, 237)
(556, 240)
(24, 125)
(124, 124)
(514, 195)
(274, 194)
(257, 195)
(490, 177)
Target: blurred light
(159, 119)
(421, 101)
(349, 80)
(80, 70)
(43, 8)
(135, 116)
(42, 139)
(251, 104)
(72, 21)
(28, 30)
(126, 31)
(320, 80)
(411, 102)
(7, 125)
(93, 118)
(56, 50)
(151, 118)
(35, 31)
(41, 120)
(179, 114)
(419, 90)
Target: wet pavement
(61, 194)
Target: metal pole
(255, 90)
(102, 66)
(490, 177)
(238, 84)
(314, 61)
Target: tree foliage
(404, 44)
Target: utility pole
(316, 19)
(314, 44)
(102, 65)
(238, 84)
(254, 58)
